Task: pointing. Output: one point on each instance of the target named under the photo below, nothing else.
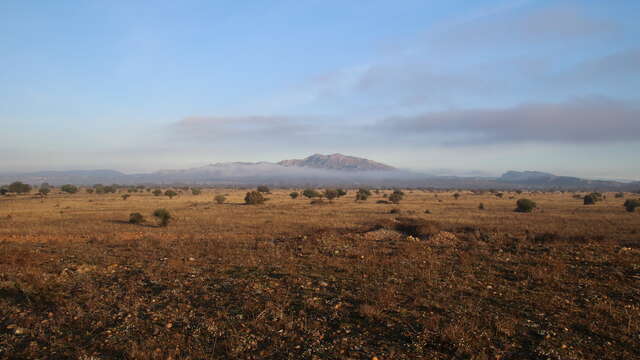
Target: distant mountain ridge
(337, 162)
(320, 171)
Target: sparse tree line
(256, 197)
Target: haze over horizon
(484, 85)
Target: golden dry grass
(288, 279)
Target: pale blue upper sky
(460, 85)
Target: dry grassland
(290, 280)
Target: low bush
(263, 189)
(69, 189)
(220, 199)
(631, 205)
(589, 200)
(395, 197)
(195, 191)
(163, 216)
(157, 192)
(19, 188)
(525, 205)
(170, 193)
(330, 194)
(294, 195)
(254, 198)
(311, 193)
(125, 196)
(619, 195)
(481, 206)
(136, 218)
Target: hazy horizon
(457, 86)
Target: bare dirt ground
(345, 280)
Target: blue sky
(445, 85)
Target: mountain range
(318, 170)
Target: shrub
(363, 194)
(318, 202)
(589, 200)
(220, 199)
(4, 190)
(383, 202)
(19, 187)
(341, 192)
(69, 189)
(311, 193)
(89, 191)
(254, 198)
(365, 191)
(163, 216)
(481, 206)
(395, 211)
(456, 196)
(125, 196)
(294, 195)
(136, 218)
(330, 194)
(157, 192)
(395, 197)
(499, 195)
(597, 196)
(170, 193)
(263, 189)
(619, 195)
(525, 205)
(44, 190)
(195, 191)
(631, 205)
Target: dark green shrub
(220, 199)
(69, 189)
(195, 191)
(589, 200)
(294, 195)
(263, 189)
(395, 197)
(395, 211)
(44, 190)
(456, 196)
(254, 198)
(481, 206)
(170, 193)
(163, 216)
(341, 192)
(631, 205)
(525, 205)
(311, 193)
(619, 195)
(136, 218)
(364, 191)
(383, 202)
(90, 191)
(19, 187)
(157, 192)
(330, 194)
